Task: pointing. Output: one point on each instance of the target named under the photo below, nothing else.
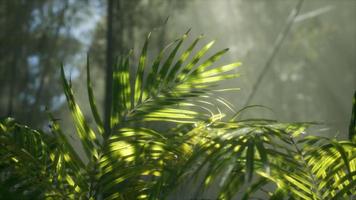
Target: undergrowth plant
(241, 158)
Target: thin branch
(277, 45)
(314, 13)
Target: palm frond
(87, 136)
(32, 164)
(167, 85)
(197, 145)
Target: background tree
(35, 38)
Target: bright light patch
(122, 149)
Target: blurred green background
(299, 57)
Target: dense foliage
(167, 131)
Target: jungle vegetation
(167, 130)
(175, 120)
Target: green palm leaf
(194, 142)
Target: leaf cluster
(137, 160)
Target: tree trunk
(109, 67)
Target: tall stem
(109, 67)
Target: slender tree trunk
(109, 66)
(12, 89)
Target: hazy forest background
(299, 57)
